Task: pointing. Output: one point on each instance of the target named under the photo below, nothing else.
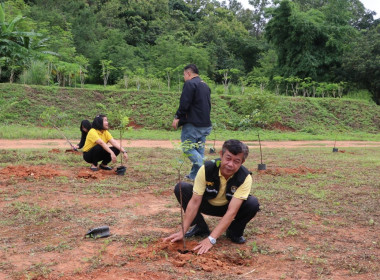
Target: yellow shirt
(94, 135)
(242, 192)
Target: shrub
(35, 75)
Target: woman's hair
(98, 122)
(86, 124)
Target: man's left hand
(203, 247)
(175, 123)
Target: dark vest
(213, 180)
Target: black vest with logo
(213, 180)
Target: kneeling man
(221, 188)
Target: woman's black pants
(97, 153)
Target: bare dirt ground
(46, 210)
(59, 143)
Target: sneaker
(235, 239)
(197, 231)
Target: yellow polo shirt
(241, 193)
(94, 135)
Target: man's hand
(175, 123)
(203, 247)
(174, 237)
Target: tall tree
(309, 44)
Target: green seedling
(185, 147)
(213, 150)
(261, 166)
(120, 121)
(335, 149)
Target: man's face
(186, 75)
(230, 163)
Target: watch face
(212, 240)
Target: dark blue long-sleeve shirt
(195, 103)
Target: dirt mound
(96, 175)
(221, 261)
(54, 151)
(25, 172)
(73, 152)
(301, 170)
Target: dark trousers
(247, 210)
(97, 153)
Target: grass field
(320, 218)
(73, 133)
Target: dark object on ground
(235, 239)
(197, 231)
(120, 170)
(183, 251)
(94, 168)
(212, 151)
(104, 167)
(335, 150)
(262, 166)
(103, 231)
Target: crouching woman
(96, 147)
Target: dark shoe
(235, 239)
(94, 168)
(105, 167)
(197, 231)
(187, 178)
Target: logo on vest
(233, 189)
(209, 184)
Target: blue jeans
(193, 140)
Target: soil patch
(301, 170)
(22, 172)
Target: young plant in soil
(335, 149)
(214, 126)
(261, 166)
(51, 117)
(187, 145)
(120, 121)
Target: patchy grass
(319, 218)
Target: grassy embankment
(281, 118)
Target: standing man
(193, 115)
(222, 188)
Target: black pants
(97, 153)
(247, 210)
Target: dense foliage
(306, 45)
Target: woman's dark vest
(213, 180)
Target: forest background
(301, 47)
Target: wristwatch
(212, 240)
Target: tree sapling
(261, 166)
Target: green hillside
(23, 105)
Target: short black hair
(86, 124)
(98, 122)
(192, 67)
(235, 147)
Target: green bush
(36, 74)
(360, 94)
(255, 110)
